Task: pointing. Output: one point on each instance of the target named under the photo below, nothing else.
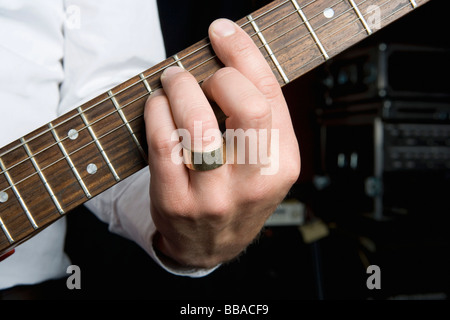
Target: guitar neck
(61, 165)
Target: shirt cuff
(175, 268)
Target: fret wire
(99, 145)
(359, 31)
(381, 19)
(334, 18)
(297, 26)
(150, 75)
(384, 17)
(18, 196)
(345, 26)
(413, 3)
(328, 36)
(322, 25)
(304, 65)
(270, 25)
(6, 232)
(268, 49)
(265, 28)
(398, 10)
(144, 78)
(302, 23)
(361, 17)
(81, 129)
(276, 7)
(69, 161)
(127, 124)
(42, 177)
(310, 28)
(67, 156)
(178, 61)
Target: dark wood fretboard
(61, 165)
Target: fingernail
(171, 71)
(223, 28)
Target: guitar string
(114, 95)
(328, 35)
(129, 121)
(299, 25)
(292, 29)
(147, 94)
(173, 63)
(316, 29)
(144, 96)
(141, 115)
(113, 112)
(355, 35)
(279, 36)
(145, 78)
(118, 110)
(314, 45)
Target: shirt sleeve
(106, 43)
(31, 49)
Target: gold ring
(205, 161)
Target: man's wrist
(174, 267)
(165, 259)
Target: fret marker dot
(3, 197)
(91, 168)
(72, 134)
(328, 13)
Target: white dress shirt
(55, 55)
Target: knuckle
(241, 48)
(268, 86)
(177, 209)
(258, 110)
(160, 143)
(171, 204)
(198, 123)
(259, 193)
(199, 113)
(293, 173)
(292, 169)
(217, 208)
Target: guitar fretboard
(58, 167)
